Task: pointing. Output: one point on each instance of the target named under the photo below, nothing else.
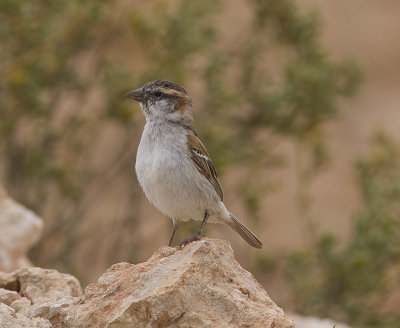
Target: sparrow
(172, 165)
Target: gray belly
(174, 186)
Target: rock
(313, 322)
(200, 285)
(21, 305)
(20, 230)
(50, 310)
(8, 296)
(10, 319)
(8, 281)
(44, 285)
(38, 286)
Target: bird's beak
(137, 94)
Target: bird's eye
(158, 94)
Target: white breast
(168, 177)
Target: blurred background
(297, 102)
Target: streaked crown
(162, 98)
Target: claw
(197, 236)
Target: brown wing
(202, 161)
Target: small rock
(50, 310)
(10, 319)
(9, 281)
(20, 230)
(43, 285)
(21, 305)
(8, 296)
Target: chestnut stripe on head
(183, 99)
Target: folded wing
(202, 161)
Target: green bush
(357, 283)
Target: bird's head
(164, 100)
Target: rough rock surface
(200, 285)
(8, 296)
(8, 281)
(20, 230)
(25, 290)
(44, 285)
(10, 319)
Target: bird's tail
(245, 233)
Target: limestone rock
(20, 230)
(21, 305)
(200, 285)
(10, 319)
(38, 286)
(51, 310)
(44, 285)
(8, 281)
(8, 296)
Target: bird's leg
(203, 224)
(199, 234)
(171, 239)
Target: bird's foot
(197, 236)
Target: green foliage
(170, 39)
(55, 92)
(356, 283)
(115, 79)
(307, 92)
(40, 44)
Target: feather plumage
(202, 161)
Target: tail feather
(245, 233)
